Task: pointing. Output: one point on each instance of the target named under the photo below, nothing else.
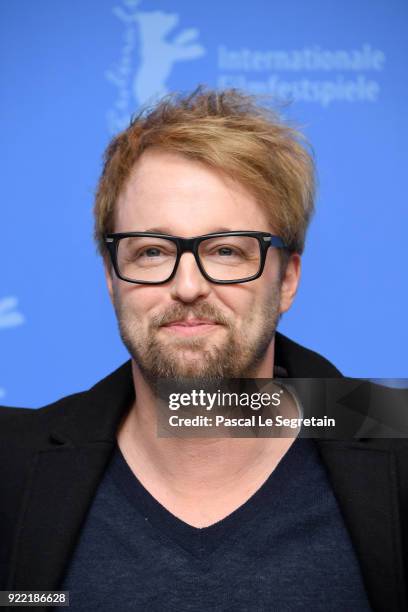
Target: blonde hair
(228, 131)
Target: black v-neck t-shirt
(285, 549)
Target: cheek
(239, 302)
(252, 302)
(139, 299)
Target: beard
(198, 359)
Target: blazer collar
(94, 416)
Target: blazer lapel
(364, 478)
(57, 497)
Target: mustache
(199, 311)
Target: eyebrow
(165, 230)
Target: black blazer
(52, 459)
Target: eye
(150, 252)
(225, 251)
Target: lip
(188, 327)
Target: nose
(189, 284)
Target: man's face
(190, 327)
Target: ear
(108, 275)
(290, 282)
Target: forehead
(173, 194)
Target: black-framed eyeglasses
(224, 258)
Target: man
(201, 214)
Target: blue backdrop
(72, 72)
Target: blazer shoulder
(28, 425)
(87, 415)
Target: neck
(186, 464)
